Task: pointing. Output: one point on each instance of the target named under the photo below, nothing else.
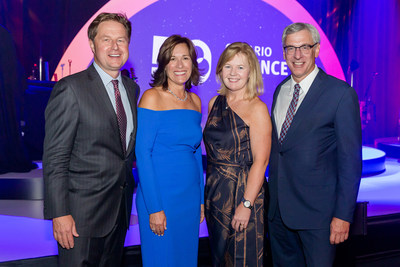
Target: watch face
(246, 203)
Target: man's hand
(339, 231)
(64, 231)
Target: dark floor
(379, 247)
(132, 257)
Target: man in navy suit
(89, 151)
(315, 163)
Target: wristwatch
(247, 203)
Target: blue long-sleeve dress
(170, 171)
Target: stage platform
(25, 235)
(390, 145)
(373, 161)
(30, 185)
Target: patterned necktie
(290, 113)
(121, 116)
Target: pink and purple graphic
(212, 25)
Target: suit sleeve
(145, 139)
(349, 142)
(199, 159)
(62, 118)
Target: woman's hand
(241, 218)
(158, 223)
(201, 213)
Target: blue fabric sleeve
(145, 138)
(199, 159)
(349, 147)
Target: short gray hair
(299, 26)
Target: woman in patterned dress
(237, 137)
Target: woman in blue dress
(170, 192)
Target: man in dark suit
(315, 162)
(89, 151)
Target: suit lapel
(100, 93)
(305, 108)
(276, 93)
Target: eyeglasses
(304, 49)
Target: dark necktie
(290, 113)
(121, 116)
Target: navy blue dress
(171, 179)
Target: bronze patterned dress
(229, 158)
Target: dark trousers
(104, 251)
(309, 247)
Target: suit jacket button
(123, 186)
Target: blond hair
(255, 85)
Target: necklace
(177, 97)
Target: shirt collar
(105, 77)
(305, 84)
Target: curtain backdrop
(375, 44)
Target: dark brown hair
(118, 17)
(164, 56)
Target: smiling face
(299, 64)
(235, 73)
(179, 68)
(110, 47)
